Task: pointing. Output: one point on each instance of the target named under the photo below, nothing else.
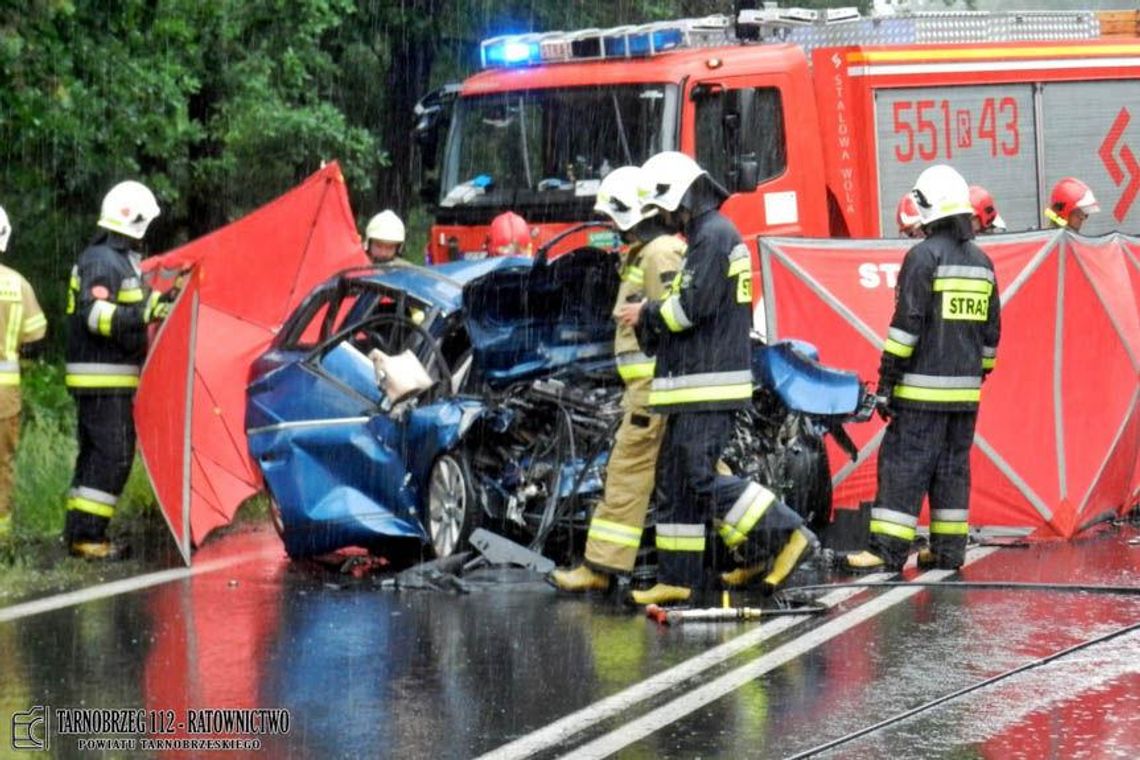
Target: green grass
(46, 453)
(33, 559)
(46, 457)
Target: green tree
(218, 105)
(221, 105)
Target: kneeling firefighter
(699, 336)
(653, 260)
(108, 310)
(941, 345)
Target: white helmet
(5, 230)
(129, 208)
(940, 191)
(385, 227)
(667, 177)
(620, 197)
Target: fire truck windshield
(548, 149)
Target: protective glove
(883, 400)
(158, 307)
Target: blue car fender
(792, 370)
(435, 429)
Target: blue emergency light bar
(510, 51)
(597, 44)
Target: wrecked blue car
(510, 424)
(522, 400)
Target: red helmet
(1069, 194)
(907, 216)
(510, 236)
(985, 209)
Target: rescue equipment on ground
(664, 616)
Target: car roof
(440, 286)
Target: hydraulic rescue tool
(725, 614)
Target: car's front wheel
(452, 510)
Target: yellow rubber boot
(864, 562)
(581, 579)
(662, 593)
(927, 560)
(798, 548)
(104, 551)
(741, 576)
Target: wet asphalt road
(515, 670)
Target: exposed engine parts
(783, 450)
(541, 453)
(539, 458)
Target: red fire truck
(817, 122)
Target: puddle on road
(1084, 705)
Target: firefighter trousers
(748, 518)
(106, 433)
(924, 453)
(618, 521)
(9, 440)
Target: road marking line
(733, 680)
(560, 730)
(126, 585)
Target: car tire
(808, 474)
(452, 512)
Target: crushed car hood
(532, 319)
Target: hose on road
(983, 585)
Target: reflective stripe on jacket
(700, 331)
(21, 321)
(108, 310)
(944, 333)
(649, 270)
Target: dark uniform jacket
(944, 333)
(699, 332)
(108, 310)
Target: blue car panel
(340, 472)
(791, 369)
(530, 321)
(342, 465)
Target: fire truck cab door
(736, 128)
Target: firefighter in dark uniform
(653, 260)
(941, 344)
(108, 312)
(699, 335)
